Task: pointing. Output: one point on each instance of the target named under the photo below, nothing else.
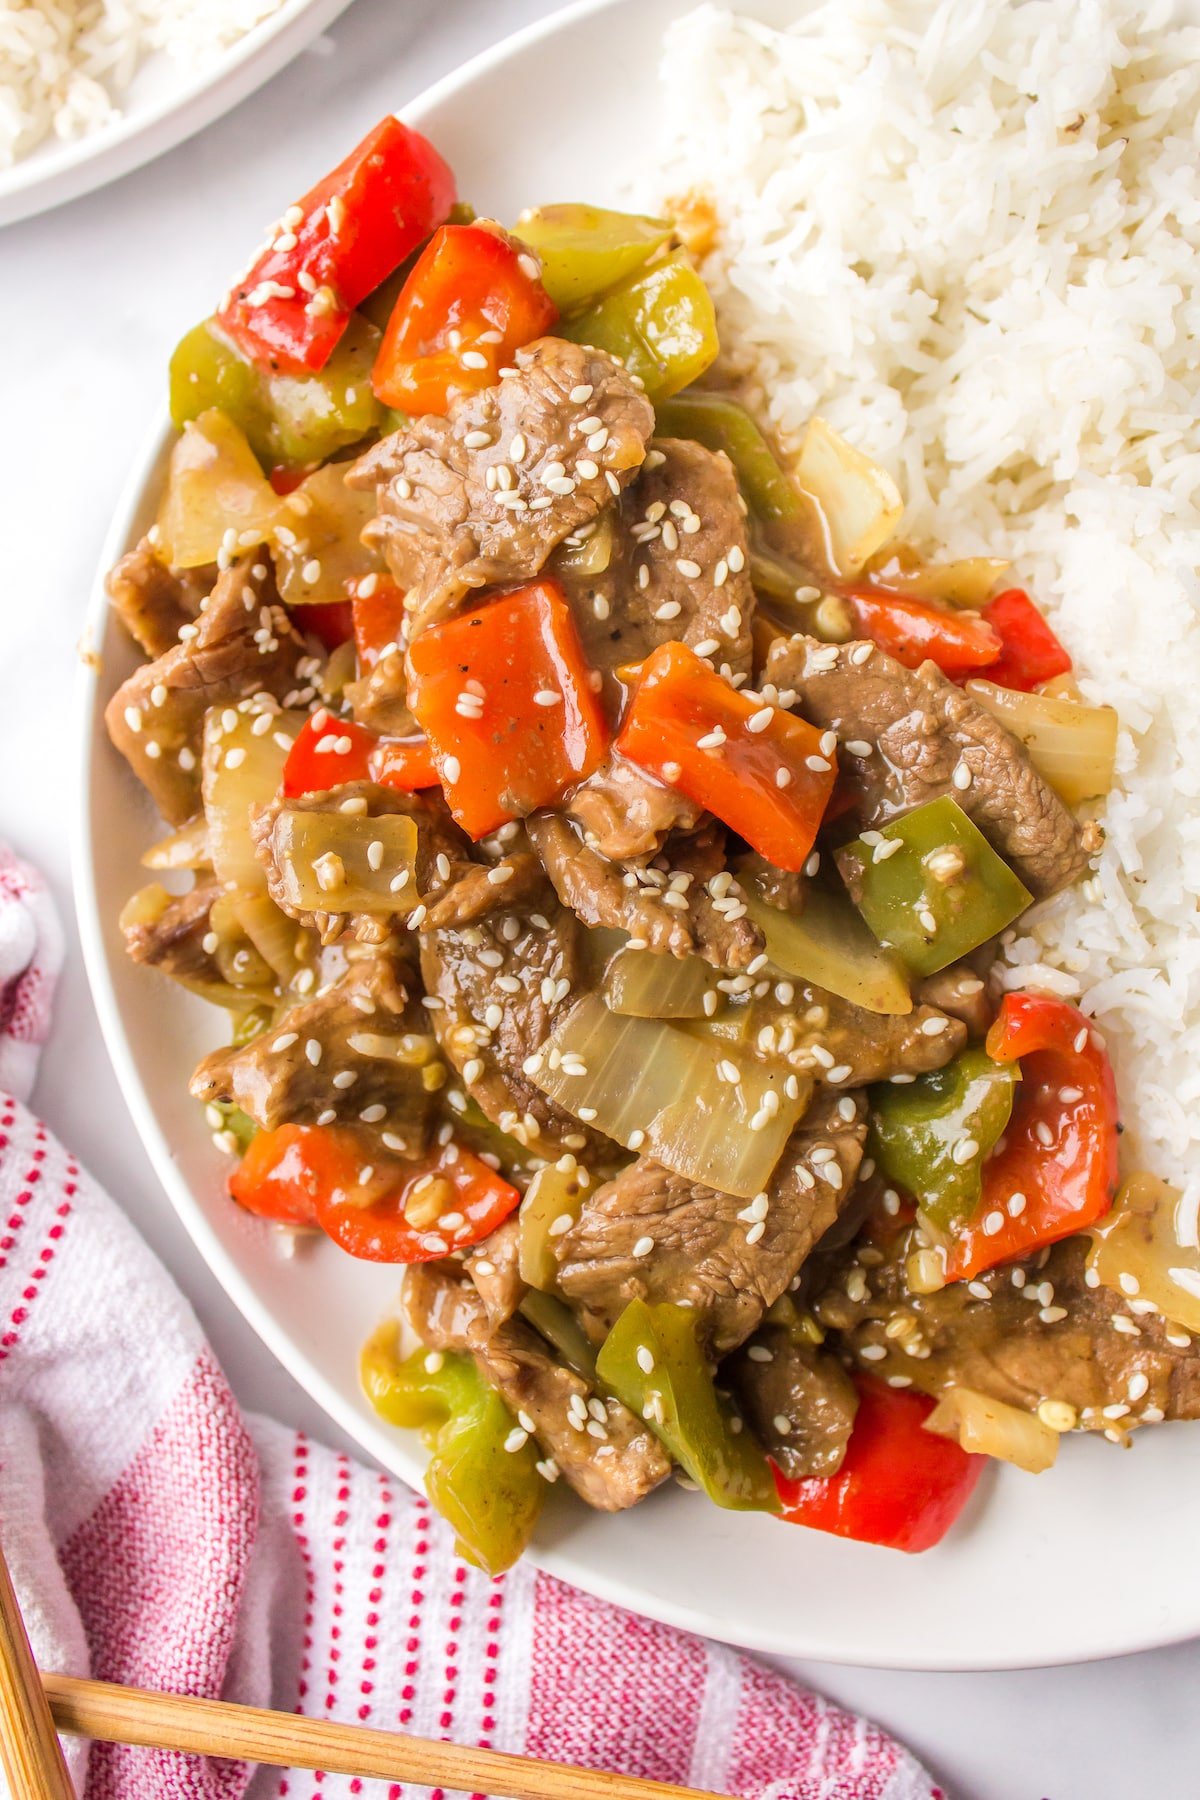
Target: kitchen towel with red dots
(161, 1539)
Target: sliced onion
(315, 538)
(327, 861)
(277, 938)
(829, 945)
(989, 1427)
(969, 582)
(587, 552)
(187, 848)
(1072, 744)
(230, 790)
(1136, 1250)
(860, 504)
(553, 1201)
(214, 486)
(656, 1088)
(645, 985)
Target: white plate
(165, 103)
(1096, 1558)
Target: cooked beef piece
(240, 645)
(643, 901)
(493, 1266)
(1005, 1346)
(797, 1399)
(564, 433)
(152, 601)
(607, 1455)
(701, 1256)
(623, 812)
(437, 836)
(962, 992)
(344, 1054)
(921, 729)
(820, 1034)
(682, 514)
(174, 942)
(497, 986)
(781, 888)
(472, 892)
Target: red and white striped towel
(159, 1538)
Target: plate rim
(379, 1442)
(56, 172)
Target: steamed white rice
(65, 64)
(969, 234)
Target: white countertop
(92, 299)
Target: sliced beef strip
(820, 1034)
(372, 1048)
(174, 942)
(1005, 1346)
(682, 523)
(241, 645)
(962, 991)
(611, 1461)
(152, 601)
(494, 1267)
(437, 836)
(797, 1399)
(921, 728)
(700, 1254)
(472, 893)
(642, 901)
(447, 530)
(519, 967)
(623, 812)
(682, 514)
(783, 889)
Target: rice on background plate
(969, 235)
(65, 64)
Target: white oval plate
(1093, 1559)
(165, 103)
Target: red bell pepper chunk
(327, 751)
(1030, 653)
(914, 632)
(770, 782)
(509, 705)
(284, 1170)
(473, 298)
(899, 1485)
(285, 481)
(378, 604)
(332, 621)
(474, 1200)
(1057, 1171)
(335, 246)
(405, 763)
(326, 1176)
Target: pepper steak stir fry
(600, 830)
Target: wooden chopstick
(121, 1715)
(29, 1747)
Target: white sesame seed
(312, 1050)
(644, 1246)
(759, 720)
(993, 1223)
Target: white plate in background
(165, 103)
(1095, 1558)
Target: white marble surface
(92, 298)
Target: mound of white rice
(969, 234)
(65, 64)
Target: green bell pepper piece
(676, 1397)
(239, 1124)
(920, 1130)
(661, 324)
(287, 419)
(585, 250)
(722, 424)
(561, 1330)
(491, 1495)
(940, 895)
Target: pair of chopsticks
(34, 1708)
